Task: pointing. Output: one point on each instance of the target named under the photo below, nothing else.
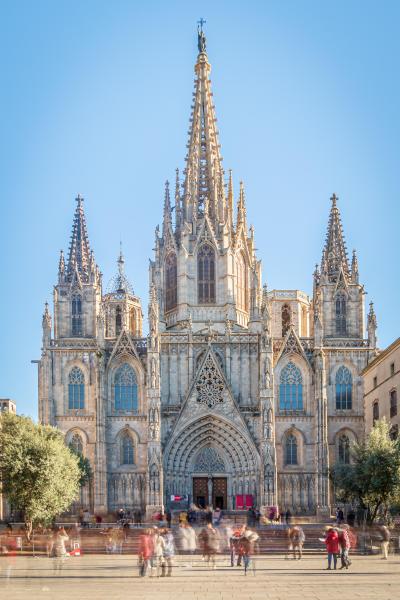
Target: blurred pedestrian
(332, 547)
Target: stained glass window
(344, 389)
(125, 389)
(291, 388)
(340, 314)
(291, 450)
(76, 389)
(127, 450)
(76, 312)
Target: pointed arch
(286, 316)
(344, 449)
(76, 389)
(206, 274)
(344, 389)
(76, 315)
(291, 388)
(241, 282)
(171, 281)
(118, 320)
(127, 449)
(291, 455)
(76, 443)
(340, 314)
(125, 389)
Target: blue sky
(96, 99)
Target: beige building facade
(238, 395)
(381, 389)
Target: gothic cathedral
(238, 395)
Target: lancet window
(125, 389)
(76, 313)
(241, 282)
(340, 314)
(76, 443)
(344, 450)
(171, 282)
(118, 320)
(76, 389)
(344, 389)
(291, 450)
(127, 449)
(206, 274)
(291, 389)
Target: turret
(372, 326)
(46, 326)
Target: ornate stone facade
(236, 391)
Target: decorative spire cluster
(120, 284)
(79, 249)
(334, 255)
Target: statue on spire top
(201, 38)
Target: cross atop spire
(204, 172)
(79, 249)
(334, 254)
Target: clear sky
(95, 98)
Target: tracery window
(206, 274)
(76, 389)
(118, 320)
(344, 450)
(340, 314)
(76, 443)
(76, 313)
(291, 388)
(291, 450)
(171, 282)
(344, 389)
(210, 385)
(241, 283)
(286, 318)
(127, 450)
(393, 403)
(375, 411)
(125, 389)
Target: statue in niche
(153, 373)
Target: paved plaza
(116, 577)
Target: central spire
(204, 176)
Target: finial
(201, 38)
(121, 260)
(334, 198)
(79, 199)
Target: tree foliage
(39, 474)
(373, 477)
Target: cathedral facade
(238, 395)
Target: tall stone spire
(334, 255)
(79, 249)
(204, 172)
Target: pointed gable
(291, 345)
(124, 346)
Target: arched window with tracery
(125, 389)
(241, 283)
(286, 318)
(171, 282)
(340, 314)
(291, 388)
(206, 274)
(76, 389)
(291, 450)
(127, 450)
(76, 314)
(76, 444)
(344, 450)
(118, 320)
(344, 389)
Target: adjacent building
(238, 395)
(381, 389)
(9, 406)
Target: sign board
(244, 501)
(176, 498)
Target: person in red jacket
(145, 551)
(332, 546)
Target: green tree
(39, 474)
(373, 477)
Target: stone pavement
(116, 577)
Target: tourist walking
(59, 549)
(145, 551)
(234, 543)
(210, 542)
(158, 552)
(191, 540)
(385, 541)
(168, 553)
(332, 547)
(296, 541)
(345, 545)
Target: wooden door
(200, 491)
(220, 492)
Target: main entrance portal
(210, 490)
